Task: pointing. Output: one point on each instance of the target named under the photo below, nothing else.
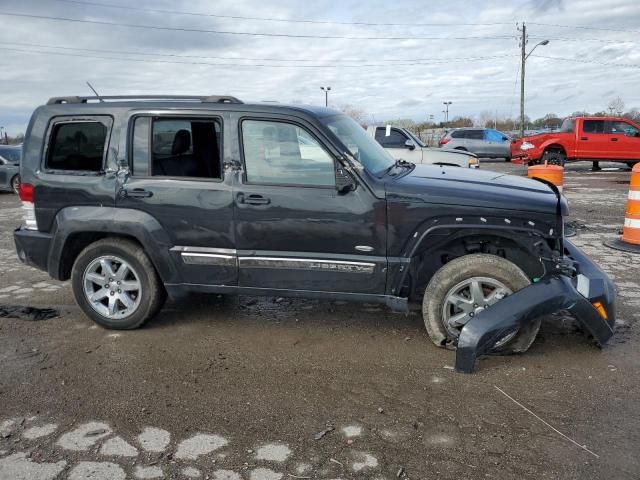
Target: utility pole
(524, 55)
(523, 44)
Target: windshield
(11, 154)
(364, 148)
(415, 138)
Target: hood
(473, 188)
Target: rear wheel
(554, 157)
(15, 184)
(463, 288)
(116, 285)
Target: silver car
(484, 142)
(10, 167)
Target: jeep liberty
(137, 198)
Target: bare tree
(616, 106)
(357, 113)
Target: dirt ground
(266, 388)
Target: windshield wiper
(399, 163)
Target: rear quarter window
(77, 145)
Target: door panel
(625, 140)
(593, 141)
(195, 211)
(303, 237)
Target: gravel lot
(265, 388)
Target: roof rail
(195, 98)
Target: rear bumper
(551, 294)
(33, 247)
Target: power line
(582, 27)
(144, 60)
(253, 34)
(270, 19)
(271, 59)
(577, 60)
(580, 39)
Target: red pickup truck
(582, 138)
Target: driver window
(396, 138)
(284, 154)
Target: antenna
(94, 91)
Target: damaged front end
(577, 285)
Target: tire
(490, 268)
(144, 303)
(507, 159)
(553, 157)
(630, 164)
(15, 184)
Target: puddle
(32, 314)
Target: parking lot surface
(272, 388)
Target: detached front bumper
(589, 297)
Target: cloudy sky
(391, 59)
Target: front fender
(119, 221)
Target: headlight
(474, 163)
(527, 146)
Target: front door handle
(253, 199)
(584, 138)
(614, 139)
(136, 193)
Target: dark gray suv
(135, 200)
(484, 142)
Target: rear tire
(507, 159)
(487, 270)
(554, 157)
(15, 184)
(111, 295)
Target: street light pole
(326, 95)
(524, 56)
(446, 104)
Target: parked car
(10, 167)
(402, 144)
(582, 138)
(484, 142)
(234, 207)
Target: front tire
(554, 157)
(463, 288)
(116, 285)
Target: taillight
(444, 141)
(26, 193)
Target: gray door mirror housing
(344, 181)
(410, 144)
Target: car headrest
(181, 142)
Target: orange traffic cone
(550, 173)
(630, 240)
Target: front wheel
(554, 157)
(466, 286)
(116, 285)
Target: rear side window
(77, 146)
(593, 126)
(458, 134)
(493, 136)
(177, 147)
(475, 135)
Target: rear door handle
(136, 193)
(584, 138)
(614, 139)
(253, 199)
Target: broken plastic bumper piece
(589, 297)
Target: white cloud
(393, 90)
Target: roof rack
(194, 98)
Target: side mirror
(344, 181)
(410, 144)
(505, 139)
